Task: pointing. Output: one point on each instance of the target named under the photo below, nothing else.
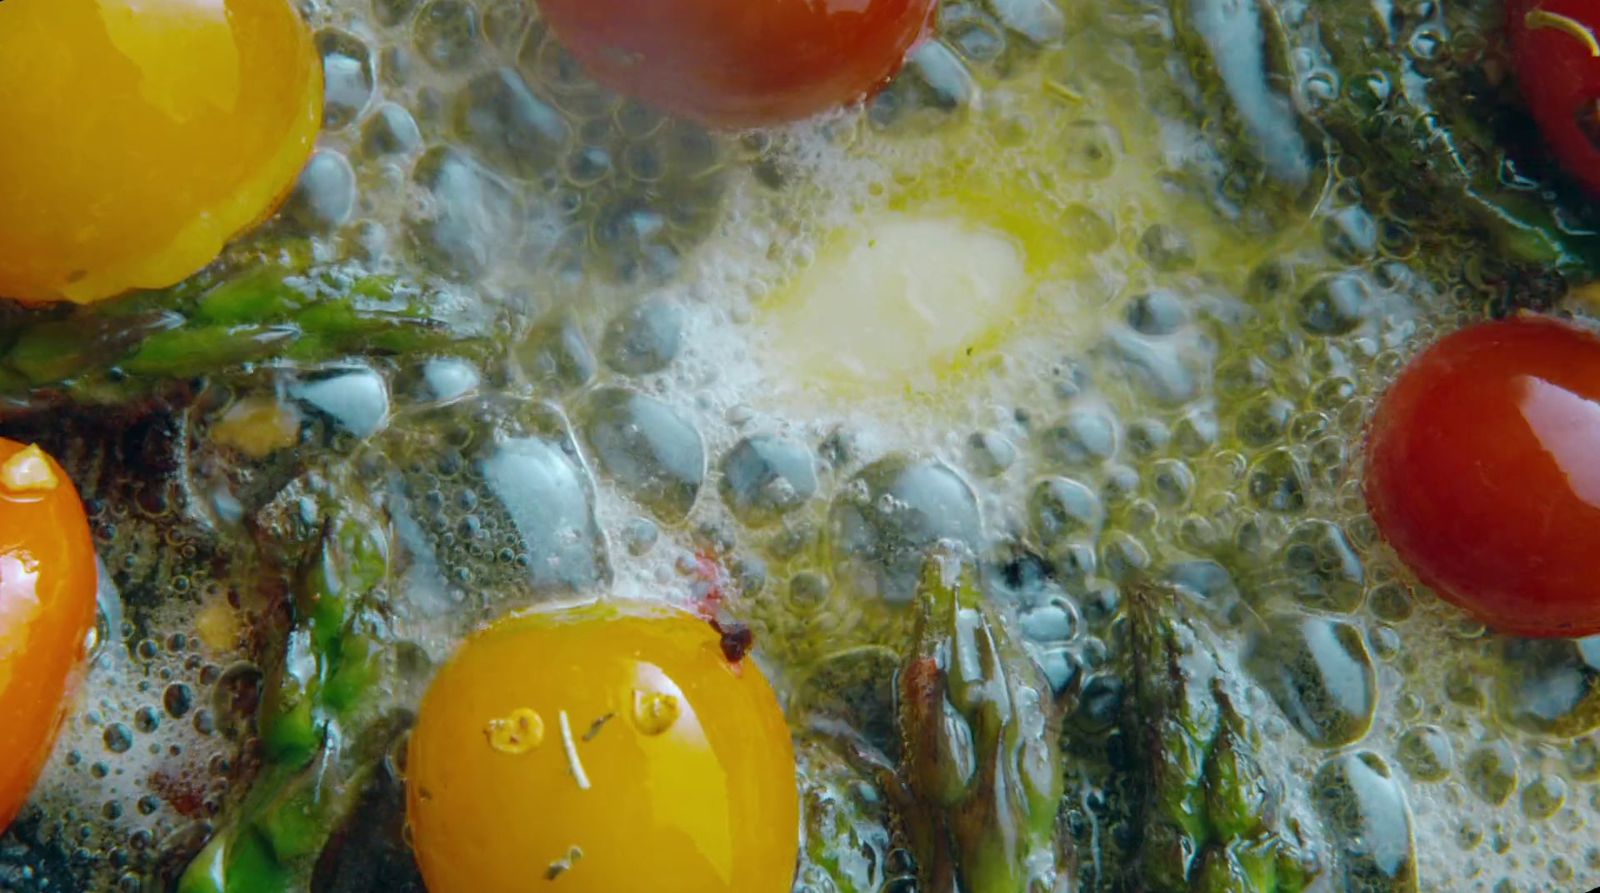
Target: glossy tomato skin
(1558, 72)
(616, 746)
(1483, 473)
(47, 606)
(141, 135)
(737, 64)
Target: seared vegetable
(1213, 820)
(1383, 90)
(140, 148)
(848, 828)
(272, 311)
(607, 746)
(1415, 115)
(48, 591)
(319, 738)
(1555, 54)
(981, 761)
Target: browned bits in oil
(596, 726)
(564, 864)
(517, 733)
(654, 712)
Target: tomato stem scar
(1540, 18)
(571, 747)
(736, 639)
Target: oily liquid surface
(1177, 390)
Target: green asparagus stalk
(314, 721)
(981, 760)
(272, 310)
(1429, 127)
(848, 818)
(1241, 51)
(1435, 135)
(1213, 818)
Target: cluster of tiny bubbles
(143, 769)
(460, 139)
(1211, 437)
(975, 43)
(158, 742)
(1232, 470)
(494, 505)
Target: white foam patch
(896, 300)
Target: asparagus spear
(846, 791)
(1432, 126)
(1242, 49)
(219, 321)
(1375, 85)
(318, 735)
(981, 760)
(1213, 818)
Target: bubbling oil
(1182, 395)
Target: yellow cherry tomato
(139, 136)
(47, 590)
(613, 747)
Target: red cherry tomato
(47, 590)
(1483, 473)
(741, 63)
(1556, 51)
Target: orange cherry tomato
(1482, 473)
(737, 63)
(142, 135)
(609, 747)
(47, 606)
